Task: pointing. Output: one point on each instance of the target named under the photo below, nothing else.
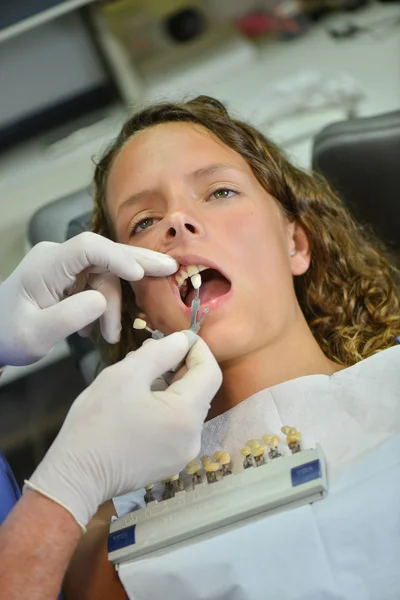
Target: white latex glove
(120, 436)
(59, 289)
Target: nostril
(190, 228)
(172, 231)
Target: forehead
(166, 151)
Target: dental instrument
(195, 323)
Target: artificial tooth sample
(225, 462)
(253, 444)
(267, 438)
(168, 490)
(139, 324)
(293, 440)
(212, 470)
(248, 459)
(155, 333)
(177, 485)
(196, 281)
(205, 460)
(149, 496)
(258, 454)
(194, 469)
(273, 444)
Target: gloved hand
(62, 288)
(120, 436)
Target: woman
(297, 291)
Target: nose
(181, 226)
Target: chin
(226, 343)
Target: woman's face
(177, 189)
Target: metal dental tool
(195, 322)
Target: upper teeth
(188, 271)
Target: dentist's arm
(99, 454)
(59, 289)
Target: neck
(294, 355)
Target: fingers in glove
(154, 263)
(110, 321)
(158, 357)
(65, 318)
(128, 262)
(201, 381)
(86, 331)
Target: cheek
(257, 242)
(142, 294)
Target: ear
(298, 249)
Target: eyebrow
(211, 169)
(134, 199)
(198, 174)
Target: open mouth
(213, 285)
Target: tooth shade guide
(139, 324)
(229, 503)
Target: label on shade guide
(121, 538)
(306, 472)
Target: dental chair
(360, 158)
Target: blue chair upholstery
(9, 490)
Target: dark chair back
(361, 159)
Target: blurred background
(320, 77)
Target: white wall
(44, 65)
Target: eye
(222, 193)
(142, 225)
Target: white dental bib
(346, 546)
(348, 413)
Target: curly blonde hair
(350, 293)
